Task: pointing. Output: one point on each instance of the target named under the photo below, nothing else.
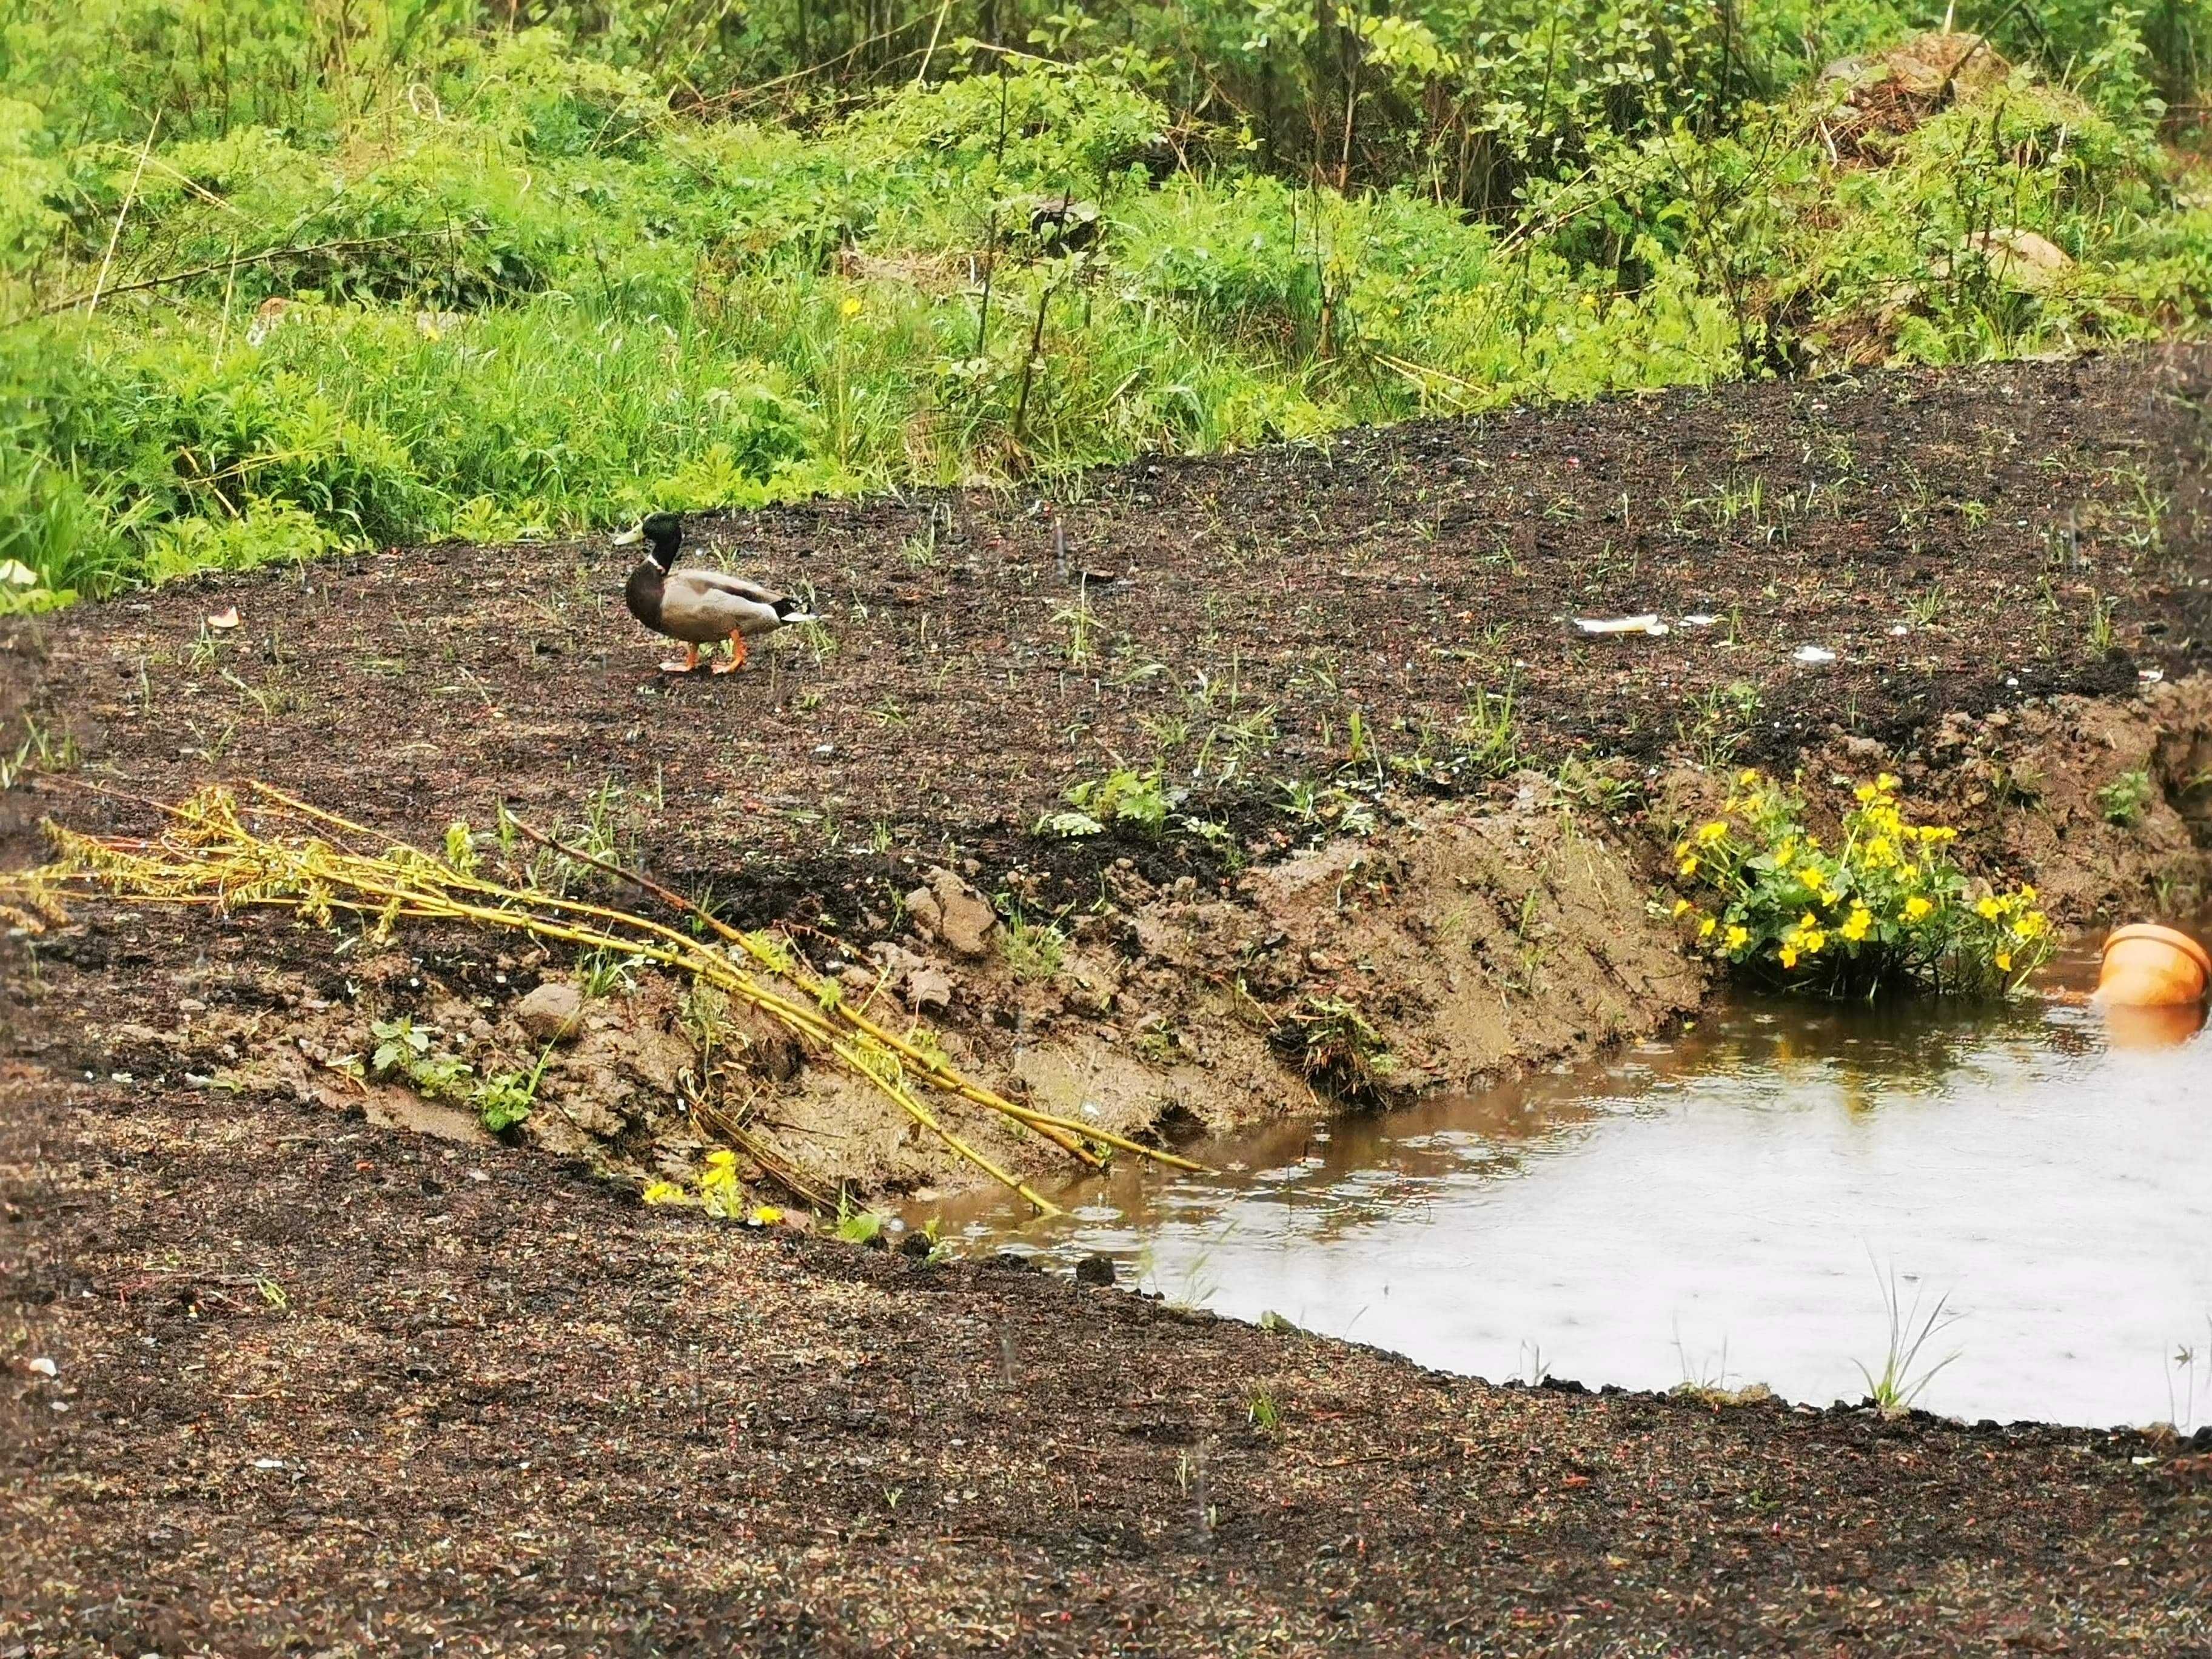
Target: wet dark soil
(2029, 528)
(331, 1386)
(360, 1391)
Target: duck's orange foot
(736, 659)
(691, 661)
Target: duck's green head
(663, 531)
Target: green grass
(274, 281)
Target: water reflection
(1710, 1208)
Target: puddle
(1728, 1207)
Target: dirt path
(325, 1384)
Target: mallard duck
(699, 606)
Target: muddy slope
(351, 1393)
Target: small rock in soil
(1096, 1268)
(929, 990)
(554, 1012)
(950, 911)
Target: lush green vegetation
(281, 276)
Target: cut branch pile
(281, 853)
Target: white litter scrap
(1699, 620)
(1811, 655)
(15, 574)
(1645, 624)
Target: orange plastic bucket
(2147, 966)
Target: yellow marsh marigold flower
(2027, 894)
(1916, 908)
(1812, 941)
(664, 1192)
(1713, 832)
(1989, 910)
(1738, 938)
(1788, 956)
(1746, 777)
(1705, 928)
(1681, 905)
(1860, 925)
(1688, 867)
(1808, 920)
(2004, 961)
(2033, 926)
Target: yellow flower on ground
(1989, 910)
(851, 307)
(1860, 925)
(1812, 941)
(1813, 877)
(764, 1215)
(1709, 833)
(1705, 930)
(1916, 908)
(1881, 851)
(664, 1192)
(1689, 866)
(1746, 777)
(1808, 921)
(2033, 926)
(2027, 894)
(1738, 938)
(2004, 961)
(1788, 956)
(1681, 905)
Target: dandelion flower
(851, 307)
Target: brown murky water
(1728, 1207)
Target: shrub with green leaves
(405, 274)
(1887, 910)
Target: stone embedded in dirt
(928, 990)
(1096, 1268)
(949, 910)
(554, 1012)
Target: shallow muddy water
(1730, 1206)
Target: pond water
(1734, 1205)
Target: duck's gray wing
(704, 606)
